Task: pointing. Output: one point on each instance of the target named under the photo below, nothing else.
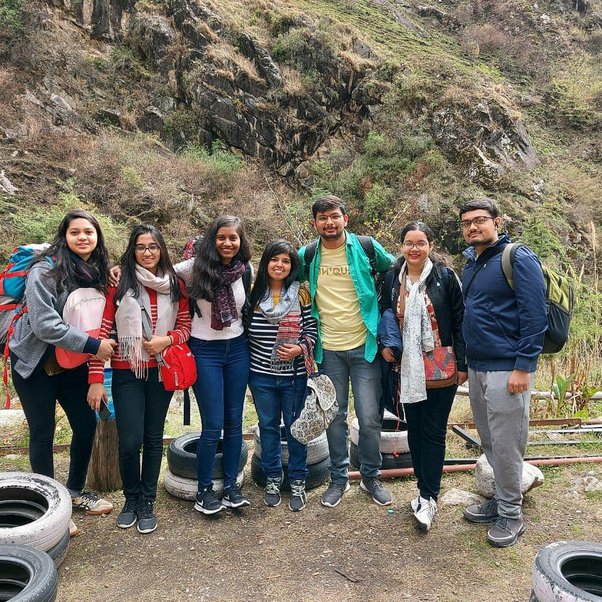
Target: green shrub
(219, 158)
(36, 224)
(12, 19)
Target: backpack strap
(368, 247)
(310, 252)
(508, 259)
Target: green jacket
(361, 274)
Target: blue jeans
(277, 396)
(140, 410)
(341, 366)
(223, 373)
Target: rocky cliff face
(234, 87)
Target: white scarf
(417, 336)
(128, 318)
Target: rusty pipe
(390, 473)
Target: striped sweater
(180, 333)
(262, 337)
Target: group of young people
(266, 337)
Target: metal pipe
(406, 472)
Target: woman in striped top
(282, 334)
(148, 285)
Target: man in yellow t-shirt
(341, 282)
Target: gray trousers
(502, 420)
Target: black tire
(26, 575)
(317, 449)
(59, 552)
(181, 457)
(317, 474)
(570, 571)
(30, 492)
(388, 460)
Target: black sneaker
(271, 495)
(147, 521)
(482, 513)
(380, 494)
(233, 498)
(298, 496)
(332, 496)
(505, 531)
(207, 502)
(129, 514)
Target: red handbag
(178, 368)
(440, 367)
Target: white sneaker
(415, 503)
(425, 513)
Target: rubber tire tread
(388, 460)
(186, 489)
(182, 462)
(549, 582)
(45, 532)
(317, 449)
(42, 580)
(317, 474)
(59, 552)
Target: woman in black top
(429, 314)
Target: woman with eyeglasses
(424, 299)
(149, 296)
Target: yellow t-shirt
(341, 324)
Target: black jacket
(445, 292)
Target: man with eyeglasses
(504, 330)
(344, 302)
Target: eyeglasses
(420, 245)
(152, 248)
(322, 219)
(477, 221)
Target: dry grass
(226, 55)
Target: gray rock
(486, 138)
(459, 497)
(588, 483)
(109, 116)
(11, 418)
(485, 482)
(151, 120)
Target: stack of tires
(34, 535)
(394, 447)
(318, 461)
(181, 476)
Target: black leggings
(140, 410)
(427, 425)
(38, 395)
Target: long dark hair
(436, 258)
(262, 281)
(63, 271)
(128, 280)
(206, 270)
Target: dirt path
(354, 552)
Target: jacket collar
(471, 254)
